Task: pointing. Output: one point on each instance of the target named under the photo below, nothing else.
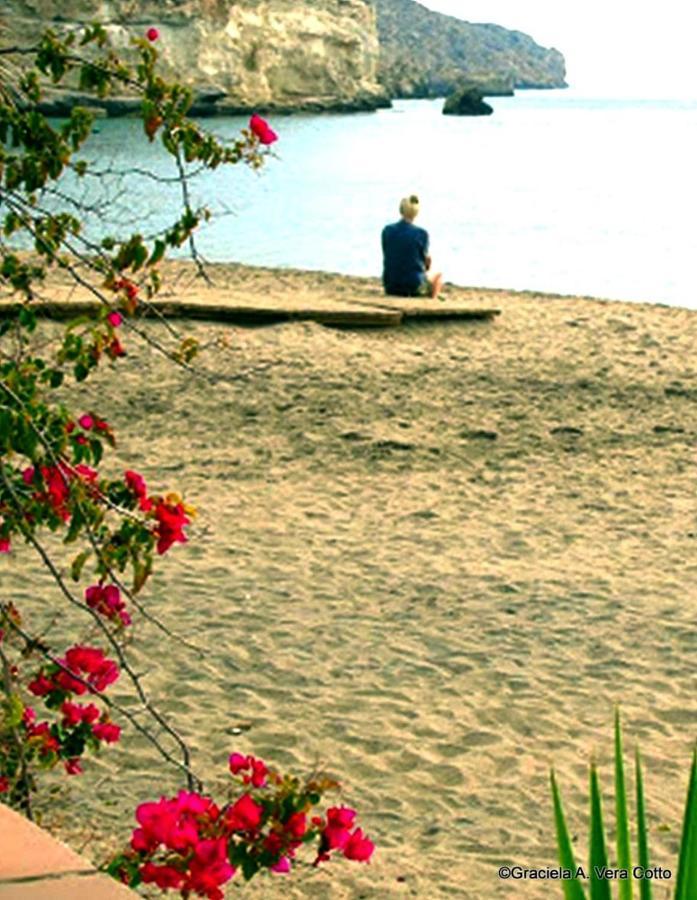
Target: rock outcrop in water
(466, 102)
(428, 54)
(299, 54)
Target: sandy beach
(430, 559)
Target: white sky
(613, 47)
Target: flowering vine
(55, 709)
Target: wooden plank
(420, 308)
(251, 312)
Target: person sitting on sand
(406, 262)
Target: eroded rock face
(256, 53)
(301, 54)
(428, 54)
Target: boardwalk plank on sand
(270, 309)
(424, 308)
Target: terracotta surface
(29, 852)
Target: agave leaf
(572, 888)
(624, 857)
(645, 888)
(686, 888)
(600, 887)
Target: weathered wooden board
(68, 303)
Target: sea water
(554, 192)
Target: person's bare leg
(436, 284)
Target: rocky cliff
(301, 54)
(258, 53)
(428, 54)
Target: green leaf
(600, 887)
(624, 857)
(13, 711)
(686, 888)
(572, 888)
(78, 563)
(645, 888)
(27, 318)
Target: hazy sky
(613, 46)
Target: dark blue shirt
(404, 251)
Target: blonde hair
(409, 207)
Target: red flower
(136, 484)
(73, 767)
(4, 545)
(107, 601)
(359, 847)
(107, 732)
(296, 826)
(114, 319)
(261, 129)
(238, 762)
(4, 784)
(341, 816)
(86, 421)
(74, 714)
(171, 520)
(244, 815)
(115, 349)
(152, 34)
(41, 686)
(163, 876)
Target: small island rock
(466, 101)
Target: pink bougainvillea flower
(209, 868)
(339, 823)
(4, 545)
(107, 732)
(86, 421)
(282, 867)
(56, 481)
(165, 877)
(41, 686)
(152, 34)
(107, 601)
(73, 767)
(171, 520)
(262, 130)
(359, 847)
(115, 349)
(296, 826)
(136, 485)
(86, 473)
(238, 762)
(244, 815)
(75, 713)
(91, 665)
(341, 816)
(131, 289)
(114, 319)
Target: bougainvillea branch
(50, 480)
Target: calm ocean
(554, 192)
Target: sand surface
(430, 559)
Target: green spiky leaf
(572, 888)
